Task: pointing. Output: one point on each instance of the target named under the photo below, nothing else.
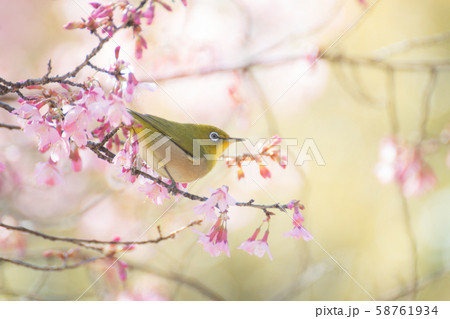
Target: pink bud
(116, 52)
(264, 171)
(95, 4)
(149, 14)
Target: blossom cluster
(102, 18)
(270, 149)
(215, 241)
(65, 120)
(405, 165)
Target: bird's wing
(175, 131)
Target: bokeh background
(262, 52)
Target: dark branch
(51, 268)
(77, 241)
(6, 107)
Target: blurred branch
(413, 244)
(305, 33)
(423, 283)
(10, 127)
(425, 65)
(51, 268)
(6, 107)
(354, 85)
(8, 86)
(443, 64)
(408, 44)
(78, 241)
(185, 280)
(427, 103)
(392, 111)
(265, 105)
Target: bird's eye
(213, 136)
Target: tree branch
(78, 241)
(10, 127)
(51, 268)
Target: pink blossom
(140, 44)
(74, 25)
(222, 199)
(155, 192)
(117, 113)
(47, 134)
(2, 167)
(261, 246)
(149, 14)
(264, 171)
(28, 112)
(257, 247)
(297, 219)
(296, 205)
(76, 125)
(123, 158)
(76, 160)
(405, 165)
(132, 84)
(207, 210)
(121, 268)
(96, 102)
(219, 198)
(299, 232)
(59, 150)
(48, 174)
(363, 3)
(215, 241)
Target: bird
(182, 152)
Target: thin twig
(7, 107)
(391, 106)
(79, 241)
(408, 44)
(428, 93)
(413, 244)
(51, 268)
(10, 127)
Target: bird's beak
(235, 139)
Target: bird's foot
(172, 188)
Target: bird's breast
(161, 154)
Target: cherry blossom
(297, 219)
(261, 246)
(405, 165)
(76, 125)
(215, 241)
(117, 112)
(155, 192)
(257, 247)
(48, 174)
(76, 160)
(269, 149)
(219, 198)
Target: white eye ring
(213, 136)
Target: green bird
(182, 152)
